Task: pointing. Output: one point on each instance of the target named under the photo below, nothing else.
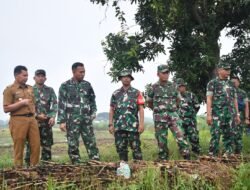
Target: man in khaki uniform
(19, 100)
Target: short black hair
(18, 69)
(77, 64)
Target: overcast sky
(53, 34)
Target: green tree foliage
(193, 28)
(125, 51)
(239, 58)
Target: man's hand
(247, 121)
(62, 126)
(25, 102)
(93, 116)
(111, 129)
(237, 119)
(209, 120)
(41, 117)
(51, 121)
(140, 128)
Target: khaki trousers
(21, 129)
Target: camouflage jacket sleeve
(112, 101)
(53, 103)
(210, 88)
(149, 93)
(37, 97)
(92, 101)
(196, 103)
(62, 104)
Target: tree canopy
(193, 29)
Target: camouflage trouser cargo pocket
(122, 139)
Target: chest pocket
(219, 91)
(19, 95)
(132, 101)
(164, 96)
(72, 94)
(23, 94)
(126, 102)
(45, 96)
(185, 102)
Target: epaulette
(28, 85)
(86, 82)
(116, 92)
(9, 86)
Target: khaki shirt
(15, 93)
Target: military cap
(223, 65)
(125, 73)
(162, 68)
(40, 72)
(180, 82)
(235, 77)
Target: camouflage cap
(162, 68)
(180, 82)
(223, 65)
(40, 72)
(235, 77)
(125, 73)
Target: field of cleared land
(203, 173)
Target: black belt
(25, 115)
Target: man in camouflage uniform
(222, 110)
(188, 108)
(244, 115)
(125, 104)
(46, 109)
(76, 111)
(163, 98)
(248, 126)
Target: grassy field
(148, 179)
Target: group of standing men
(227, 111)
(33, 111)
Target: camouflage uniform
(188, 108)
(248, 126)
(77, 108)
(223, 113)
(164, 98)
(125, 105)
(46, 103)
(242, 101)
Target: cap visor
(132, 78)
(164, 70)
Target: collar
(218, 78)
(165, 84)
(17, 85)
(123, 90)
(35, 86)
(72, 81)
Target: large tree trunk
(212, 43)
